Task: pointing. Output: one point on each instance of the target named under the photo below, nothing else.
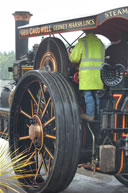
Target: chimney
(21, 45)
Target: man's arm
(76, 54)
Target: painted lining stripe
(90, 68)
(86, 59)
(92, 60)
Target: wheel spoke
(24, 137)
(50, 136)
(51, 109)
(27, 125)
(45, 107)
(49, 163)
(32, 97)
(30, 146)
(44, 165)
(32, 107)
(38, 170)
(49, 121)
(30, 157)
(3, 133)
(39, 102)
(24, 113)
(48, 151)
(36, 159)
(43, 94)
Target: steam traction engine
(44, 117)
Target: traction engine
(42, 110)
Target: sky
(45, 11)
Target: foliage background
(6, 60)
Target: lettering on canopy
(64, 26)
(122, 12)
(117, 12)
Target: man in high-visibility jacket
(90, 53)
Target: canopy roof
(110, 24)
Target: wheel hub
(36, 132)
(48, 62)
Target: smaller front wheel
(52, 56)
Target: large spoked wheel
(44, 122)
(52, 56)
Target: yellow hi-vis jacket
(90, 53)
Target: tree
(6, 60)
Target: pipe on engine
(21, 45)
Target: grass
(8, 179)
